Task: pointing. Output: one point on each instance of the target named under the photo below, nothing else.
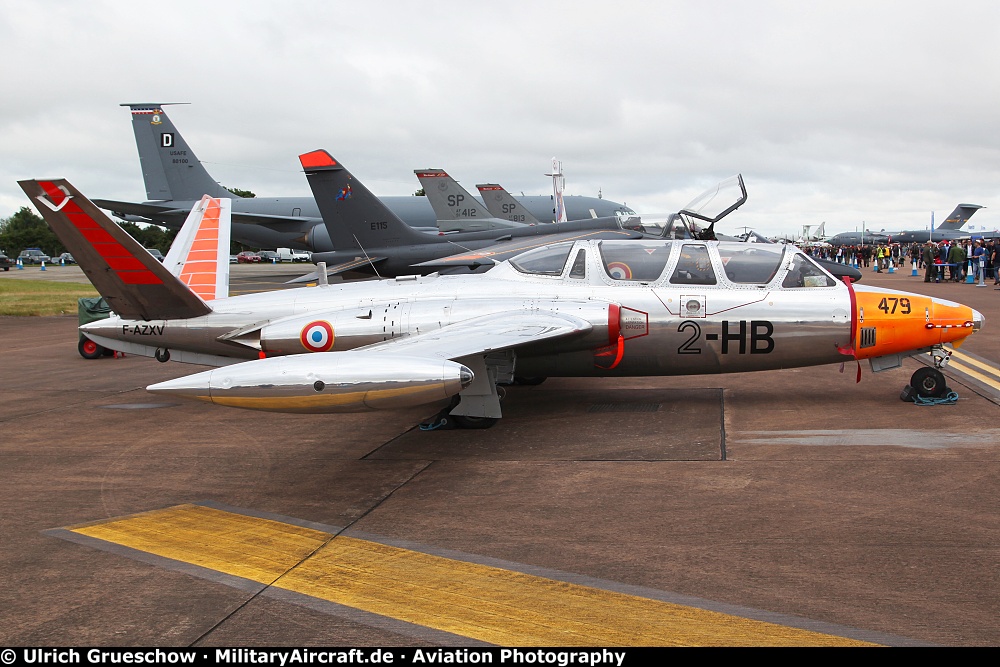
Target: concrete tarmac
(796, 499)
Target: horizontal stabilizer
(133, 282)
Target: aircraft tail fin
(133, 282)
(959, 217)
(354, 217)
(455, 208)
(169, 166)
(502, 205)
(199, 256)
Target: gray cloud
(837, 111)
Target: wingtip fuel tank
(328, 382)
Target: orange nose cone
(954, 321)
(894, 322)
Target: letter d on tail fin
(199, 256)
(170, 168)
(132, 281)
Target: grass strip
(39, 297)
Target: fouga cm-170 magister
(573, 309)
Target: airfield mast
(558, 185)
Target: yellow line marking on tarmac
(975, 362)
(974, 374)
(490, 604)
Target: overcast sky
(835, 111)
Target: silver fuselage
(665, 328)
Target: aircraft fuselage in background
(176, 179)
(950, 228)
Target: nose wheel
(929, 382)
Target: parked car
(155, 253)
(233, 260)
(65, 258)
(269, 256)
(247, 257)
(33, 256)
(289, 255)
(5, 262)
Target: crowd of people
(941, 260)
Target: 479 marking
(888, 305)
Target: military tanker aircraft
(582, 308)
(176, 179)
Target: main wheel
(88, 349)
(929, 382)
(464, 421)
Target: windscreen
(804, 273)
(545, 261)
(753, 264)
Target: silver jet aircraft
(583, 308)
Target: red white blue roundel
(317, 336)
(619, 271)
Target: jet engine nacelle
(326, 382)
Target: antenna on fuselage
(366, 256)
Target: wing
(155, 211)
(354, 264)
(488, 333)
(497, 253)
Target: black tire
(929, 382)
(465, 421)
(162, 355)
(529, 381)
(88, 349)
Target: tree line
(26, 229)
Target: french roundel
(317, 336)
(619, 271)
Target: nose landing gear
(928, 385)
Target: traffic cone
(970, 278)
(43, 266)
(20, 264)
(892, 267)
(913, 269)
